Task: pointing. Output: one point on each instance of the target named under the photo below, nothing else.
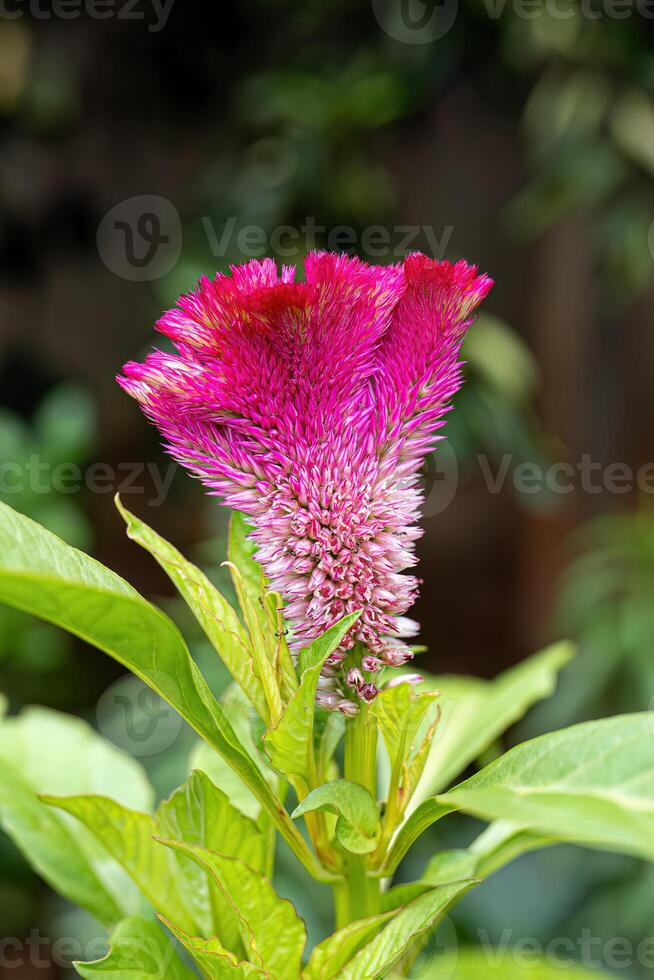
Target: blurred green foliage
(60, 435)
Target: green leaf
(407, 925)
(214, 614)
(129, 837)
(215, 962)
(266, 605)
(477, 712)
(264, 650)
(262, 613)
(271, 930)
(480, 964)
(403, 894)
(358, 818)
(402, 715)
(240, 551)
(42, 575)
(329, 956)
(36, 749)
(245, 723)
(139, 949)
(497, 845)
(290, 744)
(590, 784)
(427, 814)
(204, 758)
(200, 814)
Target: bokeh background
(142, 145)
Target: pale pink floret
(310, 407)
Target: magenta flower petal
(310, 407)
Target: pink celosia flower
(310, 407)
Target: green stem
(341, 893)
(360, 894)
(361, 750)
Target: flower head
(310, 407)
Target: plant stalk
(359, 895)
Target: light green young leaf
(329, 956)
(42, 575)
(290, 744)
(129, 837)
(357, 826)
(402, 715)
(261, 609)
(214, 614)
(477, 712)
(271, 929)
(215, 962)
(590, 784)
(406, 926)
(200, 814)
(264, 650)
(240, 551)
(486, 964)
(139, 949)
(36, 749)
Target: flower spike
(310, 407)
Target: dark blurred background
(145, 143)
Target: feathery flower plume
(310, 407)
